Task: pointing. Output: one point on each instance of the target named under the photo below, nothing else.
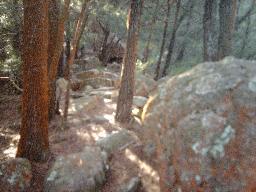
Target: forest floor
(85, 128)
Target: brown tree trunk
(70, 60)
(33, 143)
(166, 22)
(125, 98)
(210, 48)
(227, 14)
(57, 18)
(172, 41)
(146, 51)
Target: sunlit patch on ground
(150, 177)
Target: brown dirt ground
(83, 130)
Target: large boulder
(201, 128)
(144, 85)
(78, 172)
(15, 175)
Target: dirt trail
(85, 128)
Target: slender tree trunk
(227, 13)
(33, 143)
(70, 60)
(57, 17)
(146, 51)
(210, 48)
(125, 98)
(188, 25)
(172, 41)
(17, 33)
(166, 22)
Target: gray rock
(115, 141)
(77, 172)
(139, 101)
(132, 186)
(15, 175)
(204, 120)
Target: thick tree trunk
(57, 17)
(172, 41)
(210, 47)
(70, 60)
(146, 50)
(34, 144)
(227, 14)
(125, 98)
(166, 22)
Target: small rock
(15, 175)
(132, 186)
(139, 101)
(115, 141)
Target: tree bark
(33, 143)
(172, 41)
(210, 48)
(166, 22)
(227, 14)
(126, 92)
(57, 18)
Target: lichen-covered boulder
(15, 175)
(77, 172)
(139, 101)
(201, 128)
(144, 85)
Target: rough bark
(146, 50)
(126, 92)
(166, 22)
(210, 49)
(33, 143)
(172, 40)
(57, 18)
(227, 14)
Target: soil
(85, 128)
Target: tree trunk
(57, 20)
(33, 143)
(70, 60)
(166, 22)
(188, 25)
(227, 14)
(172, 41)
(125, 98)
(146, 51)
(210, 48)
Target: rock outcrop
(84, 171)
(15, 175)
(96, 78)
(201, 128)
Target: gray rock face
(144, 84)
(115, 141)
(200, 126)
(139, 101)
(78, 172)
(96, 78)
(132, 186)
(15, 175)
